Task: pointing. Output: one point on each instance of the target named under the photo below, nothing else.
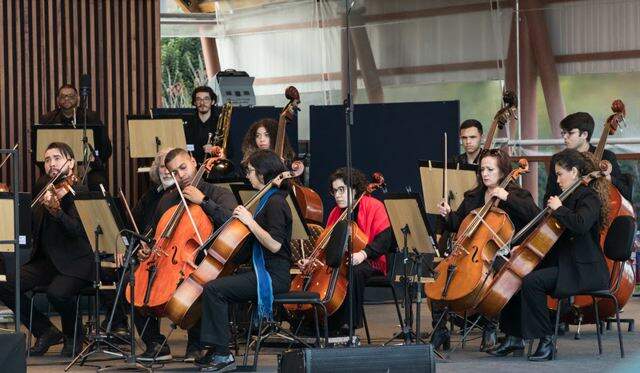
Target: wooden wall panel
(47, 43)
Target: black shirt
(463, 159)
(617, 179)
(144, 211)
(197, 133)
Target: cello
(622, 276)
(459, 277)
(308, 200)
(178, 234)
(317, 277)
(184, 307)
(526, 257)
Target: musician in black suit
(67, 114)
(62, 260)
(574, 264)
(471, 137)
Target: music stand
(45, 134)
(410, 228)
(101, 222)
(462, 177)
(148, 136)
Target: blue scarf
(265, 289)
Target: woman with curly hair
(262, 135)
(575, 264)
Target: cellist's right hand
(302, 263)
(443, 208)
(144, 252)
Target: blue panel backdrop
(389, 138)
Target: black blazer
(617, 179)
(63, 240)
(519, 206)
(577, 253)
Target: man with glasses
(202, 123)
(67, 114)
(577, 129)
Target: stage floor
(572, 354)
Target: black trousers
(361, 273)
(217, 296)
(61, 292)
(527, 314)
(151, 334)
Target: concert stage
(573, 354)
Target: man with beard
(203, 123)
(61, 260)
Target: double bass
(308, 200)
(220, 248)
(178, 235)
(622, 276)
(461, 276)
(541, 234)
(317, 277)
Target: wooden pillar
(210, 55)
(362, 48)
(541, 47)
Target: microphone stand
(348, 114)
(85, 140)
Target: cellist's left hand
(499, 193)
(193, 194)
(241, 213)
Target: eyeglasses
(574, 131)
(339, 190)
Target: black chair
(334, 251)
(384, 282)
(618, 247)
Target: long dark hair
(358, 180)
(586, 163)
(268, 164)
(249, 141)
(504, 165)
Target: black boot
(489, 338)
(441, 337)
(510, 345)
(50, 337)
(544, 350)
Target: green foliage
(182, 70)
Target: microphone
(145, 239)
(85, 88)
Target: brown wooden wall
(46, 43)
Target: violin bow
(186, 207)
(10, 154)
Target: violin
(461, 276)
(622, 277)
(525, 258)
(316, 276)
(223, 245)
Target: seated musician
(577, 129)
(519, 205)
(471, 137)
(262, 135)
(202, 123)
(575, 263)
(218, 203)
(270, 252)
(61, 260)
(68, 114)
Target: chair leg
(326, 323)
(366, 325)
(316, 324)
(598, 325)
(30, 325)
(246, 347)
(615, 302)
(257, 350)
(75, 327)
(555, 332)
(397, 304)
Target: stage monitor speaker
(12, 353)
(391, 359)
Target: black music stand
(102, 224)
(410, 228)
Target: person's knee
(531, 282)
(214, 289)
(59, 296)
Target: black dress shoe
(68, 350)
(489, 339)
(155, 352)
(194, 354)
(441, 338)
(544, 350)
(511, 345)
(50, 337)
(216, 363)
